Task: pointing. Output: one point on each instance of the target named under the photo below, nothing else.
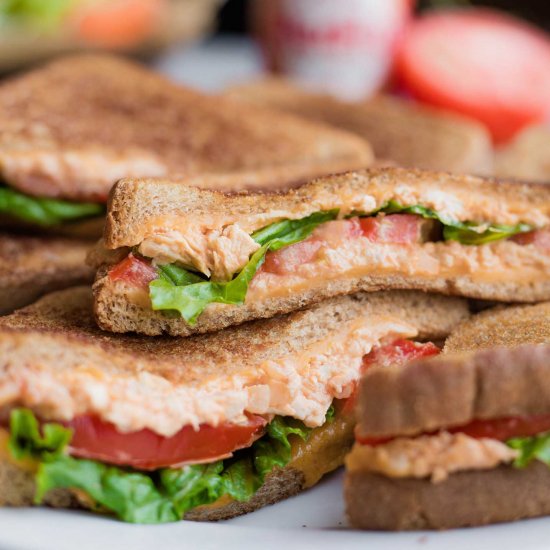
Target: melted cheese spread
(433, 456)
(503, 261)
(301, 385)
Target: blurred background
(464, 56)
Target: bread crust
(116, 312)
(17, 488)
(33, 266)
(464, 499)
(134, 203)
(73, 127)
(454, 389)
(502, 326)
(414, 136)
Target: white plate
(313, 520)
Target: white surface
(311, 520)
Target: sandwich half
(182, 260)
(412, 135)
(71, 128)
(154, 430)
(451, 441)
(33, 266)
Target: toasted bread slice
(454, 389)
(412, 135)
(205, 379)
(147, 209)
(527, 157)
(464, 499)
(73, 127)
(33, 266)
(502, 326)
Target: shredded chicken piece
(434, 456)
(219, 254)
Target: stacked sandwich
(229, 339)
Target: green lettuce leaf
(44, 211)
(27, 441)
(44, 13)
(161, 496)
(274, 451)
(181, 290)
(536, 447)
(464, 232)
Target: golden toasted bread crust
(454, 389)
(33, 266)
(412, 135)
(136, 204)
(65, 318)
(464, 499)
(73, 127)
(502, 326)
(17, 488)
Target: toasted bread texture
(464, 499)
(33, 266)
(502, 326)
(527, 157)
(412, 135)
(73, 127)
(454, 389)
(137, 206)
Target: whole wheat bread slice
(464, 499)
(76, 125)
(454, 389)
(410, 134)
(140, 205)
(502, 326)
(33, 266)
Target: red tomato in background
(146, 450)
(118, 23)
(481, 63)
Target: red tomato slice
(286, 260)
(118, 23)
(539, 238)
(398, 352)
(394, 228)
(506, 428)
(134, 271)
(480, 63)
(146, 450)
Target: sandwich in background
(461, 439)
(33, 266)
(180, 260)
(70, 129)
(412, 135)
(202, 428)
(527, 157)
